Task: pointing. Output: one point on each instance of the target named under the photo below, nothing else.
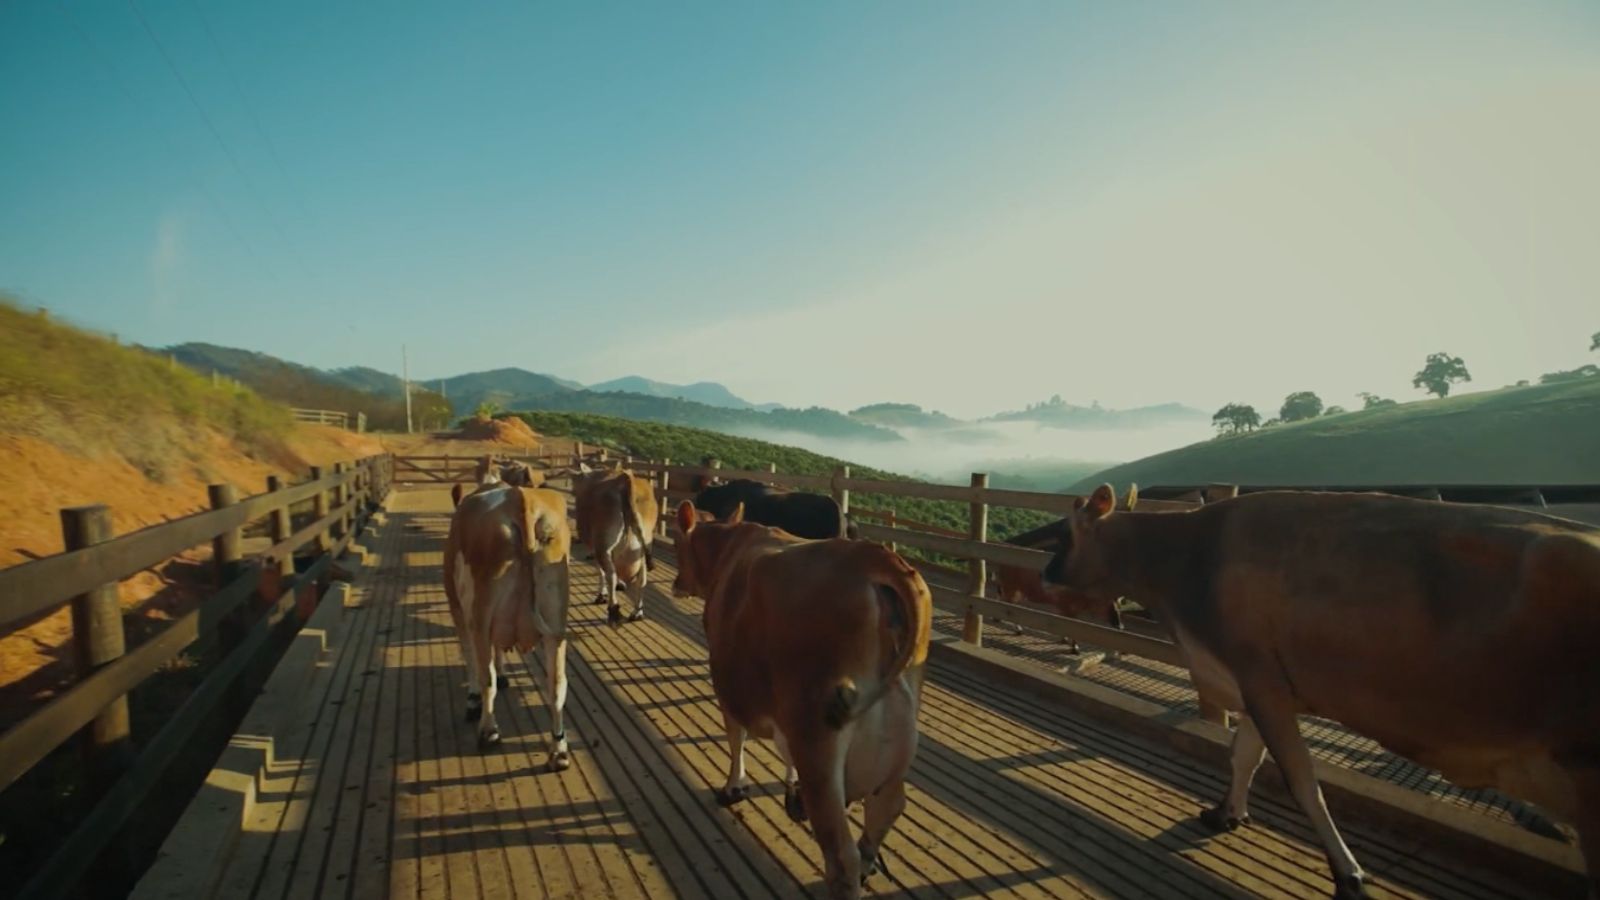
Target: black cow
(802, 515)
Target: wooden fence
(257, 597)
(334, 417)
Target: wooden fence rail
(255, 596)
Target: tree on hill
(1594, 341)
(1300, 405)
(1334, 411)
(1373, 401)
(1236, 418)
(1439, 372)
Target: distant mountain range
(704, 404)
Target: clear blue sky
(1095, 197)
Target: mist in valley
(1016, 454)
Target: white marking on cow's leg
(738, 786)
(555, 663)
(1281, 732)
(883, 808)
(466, 594)
(636, 586)
(792, 802)
(483, 663)
(1248, 751)
(501, 680)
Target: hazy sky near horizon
(967, 206)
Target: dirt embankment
(38, 478)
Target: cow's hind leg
(792, 802)
(1274, 718)
(483, 666)
(501, 680)
(469, 658)
(883, 808)
(555, 664)
(821, 764)
(738, 786)
(636, 586)
(1248, 750)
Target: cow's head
(520, 474)
(1080, 565)
(700, 540)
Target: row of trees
(1438, 373)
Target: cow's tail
(630, 519)
(538, 529)
(905, 614)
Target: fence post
(341, 495)
(225, 546)
(891, 521)
(97, 639)
(772, 468)
(319, 511)
(977, 571)
(280, 528)
(666, 502)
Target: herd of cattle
(1464, 637)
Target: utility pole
(405, 383)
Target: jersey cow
(819, 645)
(1461, 636)
(1014, 584)
(800, 514)
(493, 470)
(506, 580)
(616, 514)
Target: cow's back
(1420, 623)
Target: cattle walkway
(378, 789)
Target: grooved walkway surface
(379, 791)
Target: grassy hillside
(87, 394)
(668, 410)
(1544, 433)
(295, 385)
(689, 445)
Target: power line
(217, 135)
(172, 148)
(244, 102)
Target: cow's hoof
(1218, 820)
(615, 617)
(729, 796)
(488, 739)
(794, 804)
(600, 599)
(872, 863)
(474, 709)
(560, 761)
(501, 682)
(1350, 887)
(638, 616)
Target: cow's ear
(686, 517)
(737, 516)
(1133, 497)
(1100, 503)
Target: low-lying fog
(1040, 453)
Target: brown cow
(616, 514)
(819, 645)
(506, 579)
(1461, 636)
(493, 470)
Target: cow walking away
(1461, 636)
(492, 470)
(616, 514)
(506, 578)
(801, 514)
(819, 645)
